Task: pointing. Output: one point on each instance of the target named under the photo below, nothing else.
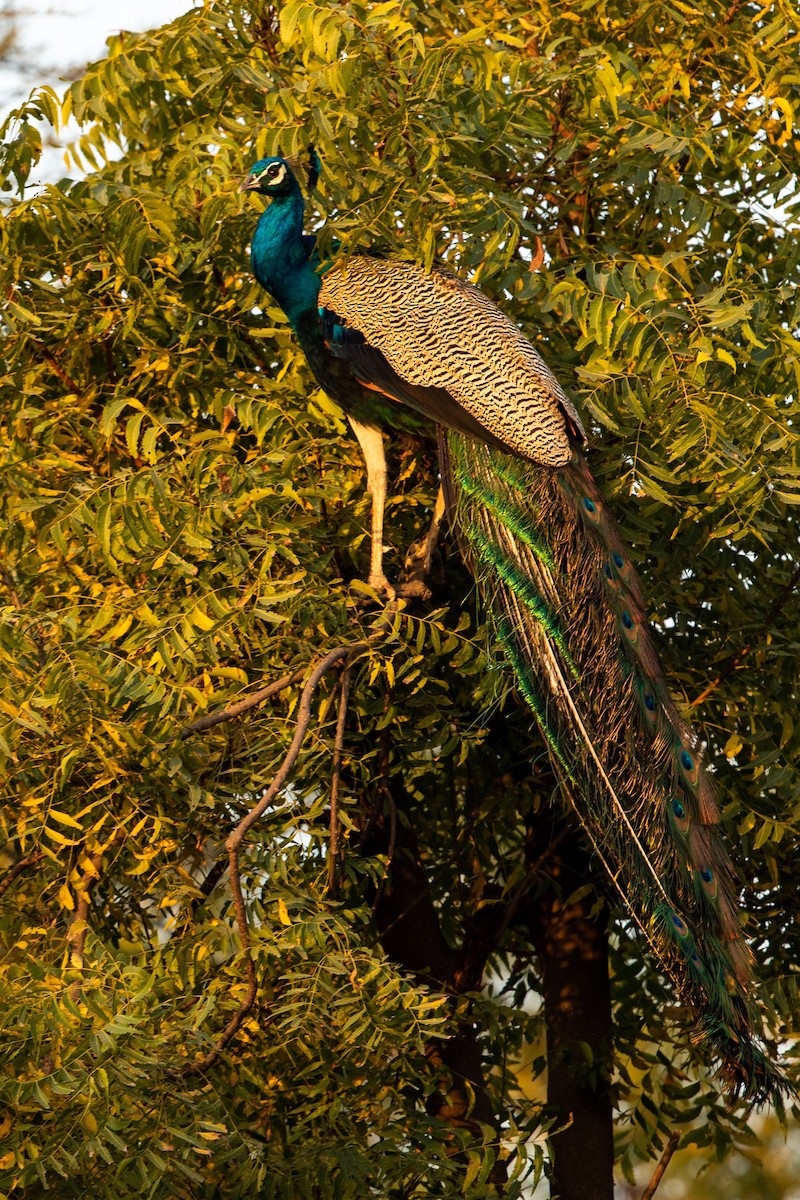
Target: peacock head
(270, 177)
(277, 176)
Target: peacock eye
(273, 169)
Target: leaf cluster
(182, 511)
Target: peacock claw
(381, 585)
(407, 589)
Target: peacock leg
(370, 439)
(432, 539)
(419, 557)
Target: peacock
(398, 346)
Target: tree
(183, 532)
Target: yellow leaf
(122, 626)
(58, 838)
(788, 118)
(64, 819)
(140, 868)
(733, 745)
(89, 1122)
(283, 913)
(200, 619)
(145, 613)
(65, 897)
(86, 864)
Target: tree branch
(236, 710)
(79, 925)
(333, 845)
(480, 943)
(235, 839)
(421, 948)
(736, 659)
(54, 365)
(658, 1174)
(29, 860)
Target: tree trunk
(572, 945)
(411, 935)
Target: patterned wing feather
(372, 370)
(437, 330)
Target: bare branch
(658, 1174)
(238, 835)
(236, 710)
(333, 846)
(29, 860)
(235, 839)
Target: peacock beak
(250, 183)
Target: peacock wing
(372, 370)
(437, 331)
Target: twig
(529, 877)
(54, 365)
(235, 710)
(11, 874)
(658, 1174)
(238, 835)
(389, 853)
(234, 841)
(12, 591)
(79, 925)
(215, 873)
(420, 896)
(333, 846)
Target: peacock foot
(413, 588)
(423, 569)
(380, 584)
(404, 589)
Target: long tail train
(569, 612)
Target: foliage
(182, 513)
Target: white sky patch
(56, 39)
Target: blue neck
(280, 256)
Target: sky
(57, 37)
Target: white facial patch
(272, 179)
